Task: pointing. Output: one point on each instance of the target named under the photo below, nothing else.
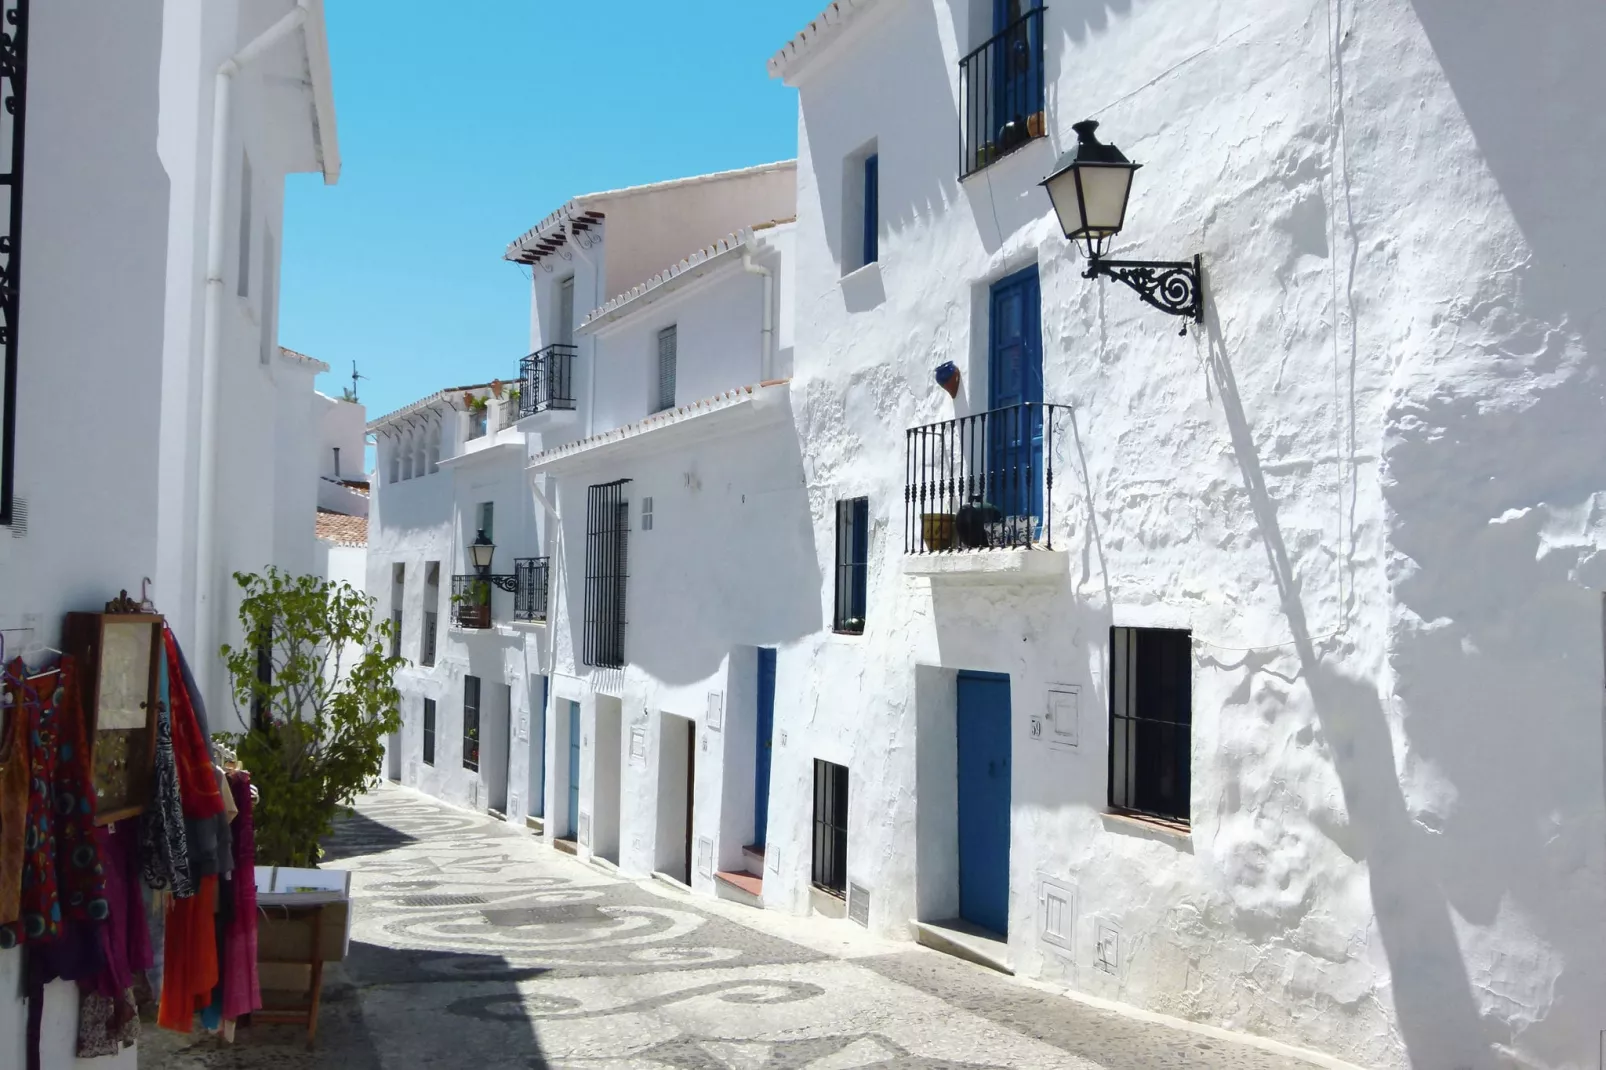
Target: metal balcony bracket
(508, 583)
(1175, 287)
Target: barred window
(1151, 721)
(830, 870)
(852, 564)
(471, 723)
(607, 566)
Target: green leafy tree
(315, 683)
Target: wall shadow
(356, 835)
(1433, 1000)
(447, 1008)
(761, 590)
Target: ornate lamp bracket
(510, 584)
(1175, 287)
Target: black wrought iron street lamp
(1090, 188)
(481, 551)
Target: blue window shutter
(872, 208)
(861, 554)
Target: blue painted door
(1017, 83)
(766, 729)
(1015, 398)
(574, 769)
(538, 753)
(984, 748)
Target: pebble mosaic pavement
(475, 946)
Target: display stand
(305, 922)
(309, 919)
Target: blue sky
(463, 125)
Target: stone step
(740, 887)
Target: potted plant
(474, 604)
(496, 387)
(319, 714)
(937, 530)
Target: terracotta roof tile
(342, 530)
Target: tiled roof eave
(817, 35)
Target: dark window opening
(260, 719)
(396, 634)
(607, 566)
(852, 564)
(830, 869)
(1151, 721)
(429, 731)
(471, 723)
(872, 208)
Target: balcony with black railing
(546, 380)
(471, 602)
(982, 482)
(530, 579)
(1001, 94)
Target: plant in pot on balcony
(474, 604)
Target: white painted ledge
(961, 939)
(990, 566)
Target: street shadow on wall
(732, 562)
(1432, 995)
(1504, 440)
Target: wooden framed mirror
(119, 659)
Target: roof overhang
(316, 37)
(817, 37)
(695, 268)
(503, 451)
(742, 409)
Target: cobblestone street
(476, 946)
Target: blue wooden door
(574, 768)
(984, 748)
(1015, 398)
(1017, 84)
(766, 729)
(537, 804)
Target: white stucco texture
(1368, 484)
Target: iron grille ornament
(13, 87)
(1089, 188)
(1172, 286)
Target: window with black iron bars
(1151, 722)
(429, 731)
(607, 567)
(852, 564)
(471, 723)
(830, 869)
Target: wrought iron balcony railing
(1001, 94)
(530, 577)
(546, 380)
(471, 601)
(982, 482)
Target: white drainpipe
(591, 365)
(554, 577)
(767, 338)
(212, 336)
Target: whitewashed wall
(725, 569)
(1366, 484)
(110, 334)
(343, 425)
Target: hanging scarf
(197, 782)
(163, 846)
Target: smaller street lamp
(1089, 188)
(482, 550)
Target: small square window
(852, 564)
(646, 514)
(1151, 722)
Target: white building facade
(146, 407)
(1278, 706)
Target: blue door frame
(761, 760)
(1014, 380)
(573, 817)
(983, 721)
